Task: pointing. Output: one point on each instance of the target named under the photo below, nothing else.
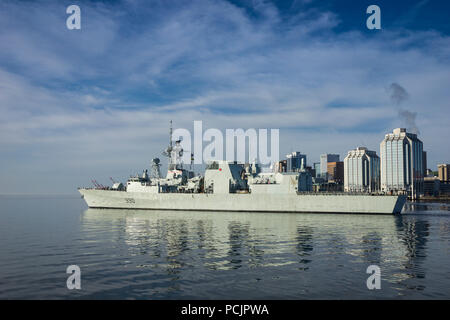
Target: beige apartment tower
(361, 171)
(444, 172)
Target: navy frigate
(231, 186)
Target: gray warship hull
(247, 202)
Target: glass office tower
(401, 163)
(294, 161)
(324, 159)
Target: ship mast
(168, 151)
(170, 145)
(170, 135)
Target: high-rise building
(316, 167)
(361, 171)
(424, 163)
(324, 159)
(444, 172)
(335, 171)
(401, 163)
(281, 166)
(294, 161)
(304, 181)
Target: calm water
(198, 255)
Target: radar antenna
(156, 165)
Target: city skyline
(96, 102)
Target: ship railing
(105, 188)
(343, 193)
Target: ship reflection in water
(212, 255)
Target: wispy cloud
(97, 101)
(411, 14)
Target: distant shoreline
(40, 195)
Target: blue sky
(95, 102)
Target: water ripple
(208, 255)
